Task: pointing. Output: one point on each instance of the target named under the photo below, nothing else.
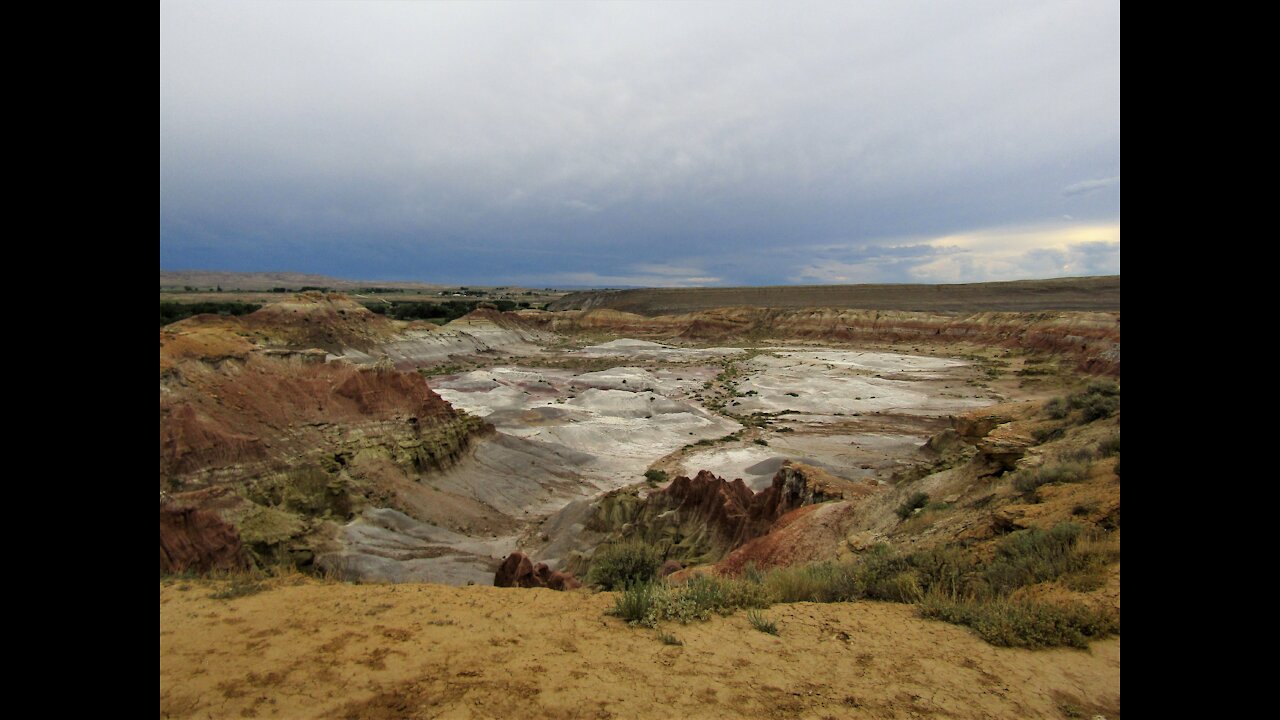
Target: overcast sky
(607, 144)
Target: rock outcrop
(197, 540)
(700, 519)
(261, 406)
(517, 570)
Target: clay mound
(214, 418)
(807, 534)
(204, 338)
(330, 321)
(225, 402)
(198, 540)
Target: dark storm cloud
(610, 143)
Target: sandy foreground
(304, 649)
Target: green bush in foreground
(650, 603)
(947, 583)
(1034, 555)
(1023, 623)
(624, 564)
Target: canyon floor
(305, 648)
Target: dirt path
(307, 649)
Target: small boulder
(514, 569)
(563, 581)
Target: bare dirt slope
(307, 649)
(1084, 293)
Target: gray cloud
(502, 142)
(1089, 186)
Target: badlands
(340, 491)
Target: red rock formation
(199, 540)
(517, 570)
(700, 519)
(563, 581)
(806, 534)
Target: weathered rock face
(198, 540)
(996, 433)
(702, 518)
(518, 570)
(244, 406)
(265, 408)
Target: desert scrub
(1024, 623)
(1057, 408)
(1034, 555)
(648, 604)
(1071, 471)
(635, 604)
(817, 582)
(655, 476)
(912, 503)
(624, 564)
(668, 639)
(1110, 446)
(762, 623)
(1100, 399)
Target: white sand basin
(624, 430)
(837, 383)
(644, 349)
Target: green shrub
(624, 564)
(942, 570)
(1109, 446)
(172, 312)
(1028, 481)
(816, 582)
(653, 602)
(1100, 399)
(635, 604)
(1021, 623)
(917, 500)
(1034, 555)
(655, 476)
(761, 623)
(1057, 408)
